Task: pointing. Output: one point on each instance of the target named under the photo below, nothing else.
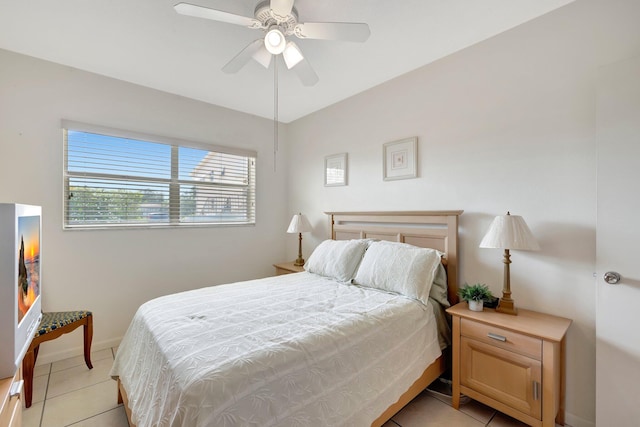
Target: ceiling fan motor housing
(264, 14)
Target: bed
(321, 347)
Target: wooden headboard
(425, 229)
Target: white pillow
(399, 267)
(337, 259)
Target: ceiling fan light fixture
(292, 55)
(278, 19)
(274, 40)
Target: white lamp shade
(263, 57)
(292, 55)
(299, 224)
(509, 232)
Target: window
(117, 178)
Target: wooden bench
(51, 327)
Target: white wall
(508, 124)
(113, 272)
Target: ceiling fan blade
(216, 15)
(241, 59)
(263, 56)
(281, 8)
(346, 31)
(305, 73)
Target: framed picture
(400, 159)
(335, 170)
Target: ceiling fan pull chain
(275, 111)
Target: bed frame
(427, 229)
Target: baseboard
(46, 358)
(575, 421)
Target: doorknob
(612, 278)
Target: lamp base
(299, 261)
(506, 306)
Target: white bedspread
(292, 350)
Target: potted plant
(475, 295)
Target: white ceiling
(146, 42)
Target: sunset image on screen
(28, 263)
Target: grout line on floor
(92, 416)
(77, 389)
(491, 419)
(46, 391)
(79, 364)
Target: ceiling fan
(278, 19)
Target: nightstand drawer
(502, 338)
(10, 406)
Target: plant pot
(476, 305)
(492, 303)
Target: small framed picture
(400, 159)
(335, 170)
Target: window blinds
(112, 179)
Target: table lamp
(299, 224)
(509, 232)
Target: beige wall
(508, 124)
(113, 272)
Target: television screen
(28, 263)
(20, 282)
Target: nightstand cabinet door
(505, 376)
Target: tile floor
(66, 393)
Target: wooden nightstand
(514, 364)
(287, 268)
(10, 406)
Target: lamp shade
(509, 232)
(292, 55)
(263, 57)
(299, 224)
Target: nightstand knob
(612, 278)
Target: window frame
(174, 182)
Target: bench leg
(28, 364)
(88, 336)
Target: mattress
(291, 350)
